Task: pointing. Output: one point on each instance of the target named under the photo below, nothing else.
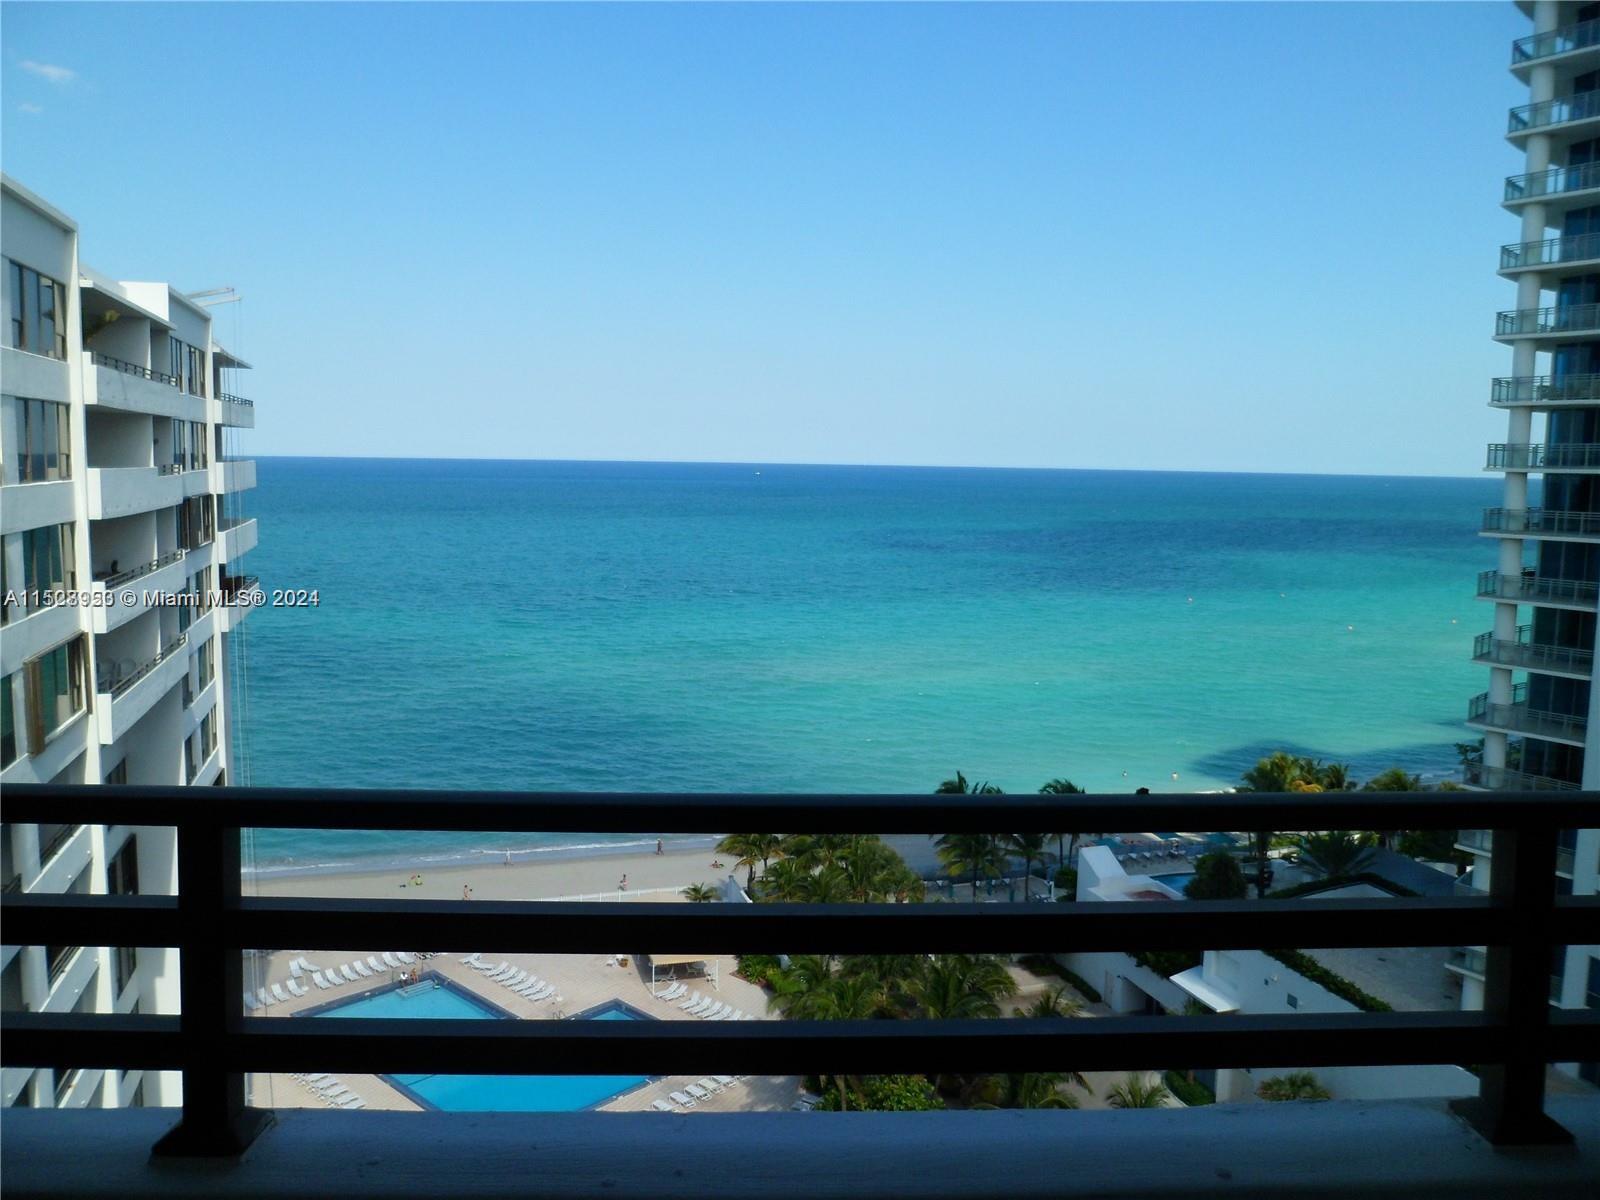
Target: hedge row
(1191, 1092)
(1305, 965)
(1043, 964)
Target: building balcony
(164, 574)
(1554, 256)
(1518, 717)
(128, 387)
(1541, 523)
(1565, 322)
(124, 491)
(1468, 960)
(233, 475)
(1565, 114)
(1529, 588)
(1558, 189)
(1566, 858)
(126, 696)
(1533, 456)
(236, 537)
(236, 411)
(1523, 653)
(1578, 41)
(1545, 391)
(1481, 841)
(1502, 779)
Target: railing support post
(1509, 1107)
(215, 1121)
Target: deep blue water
(776, 628)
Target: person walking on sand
(466, 891)
(658, 846)
(623, 885)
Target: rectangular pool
(487, 1093)
(1175, 880)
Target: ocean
(725, 627)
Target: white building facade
(118, 491)
(1538, 718)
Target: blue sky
(1221, 237)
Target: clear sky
(1224, 237)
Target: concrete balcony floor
(1339, 1148)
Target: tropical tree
(1296, 1085)
(701, 893)
(1336, 852)
(1063, 787)
(803, 991)
(785, 881)
(749, 849)
(816, 849)
(960, 987)
(1278, 772)
(1217, 877)
(1336, 777)
(974, 854)
(1395, 779)
(1056, 1003)
(889, 1093)
(1030, 848)
(1034, 1089)
(952, 787)
(1138, 1092)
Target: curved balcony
(1504, 779)
(1554, 43)
(1525, 653)
(1560, 186)
(1545, 391)
(1517, 717)
(1563, 321)
(1531, 456)
(1562, 112)
(1568, 252)
(1532, 588)
(1541, 522)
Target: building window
(207, 662)
(127, 959)
(122, 875)
(197, 445)
(36, 312)
(208, 735)
(58, 694)
(8, 724)
(43, 447)
(56, 959)
(118, 774)
(175, 359)
(48, 562)
(195, 375)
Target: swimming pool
(486, 1093)
(1176, 880)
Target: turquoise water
(487, 1093)
(1177, 880)
(775, 628)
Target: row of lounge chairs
(694, 1093)
(300, 969)
(1185, 854)
(514, 979)
(330, 1090)
(707, 1008)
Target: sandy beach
(592, 877)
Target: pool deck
(582, 980)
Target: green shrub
(1216, 877)
(1043, 964)
(1168, 963)
(1067, 883)
(886, 1093)
(1318, 974)
(1296, 1085)
(756, 968)
(1191, 1091)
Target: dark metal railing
(1535, 588)
(118, 685)
(1553, 181)
(63, 834)
(143, 569)
(1505, 779)
(1558, 318)
(1515, 716)
(1578, 36)
(128, 368)
(1549, 252)
(211, 923)
(1523, 651)
(236, 399)
(1545, 389)
(1541, 520)
(1539, 456)
(1580, 106)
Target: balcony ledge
(1348, 1149)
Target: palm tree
(1063, 787)
(1030, 848)
(1336, 777)
(1034, 1089)
(952, 787)
(831, 885)
(816, 849)
(1336, 853)
(972, 854)
(1278, 772)
(1137, 1091)
(749, 849)
(803, 991)
(1057, 1003)
(701, 893)
(786, 881)
(1296, 1085)
(961, 986)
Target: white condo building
(118, 486)
(1539, 717)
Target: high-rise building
(1538, 718)
(119, 492)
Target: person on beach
(623, 886)
(508, 858)
(658, 846)
(466, 891)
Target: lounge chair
(363, 970)
(695, 999)
(696, 1006)
(543, 992)
(266, 1000)
(725, 1080)
(662, 1106)
(295, 970)
(406, 959)
(316, 978)
(517, 980)
(317, 1078)
(377, 967)
(680, 1099)
(710, 1084)
(296, 988)
(716, 1012)
(733, 1014)
(471, 960)
(349, 974)
(250, 1002)
(279, 994)
(335, 1094)
(698, 1092)
(393, 963)
(351, 1101)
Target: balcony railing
(232, 585)
(1517, 717)
(128, 368)
(1560, 318)
(1545, 389)
(1541, 521)
(1468, 958)
(1534, 656)
(1566, 856)
(1535, 588)
(211, 922)
(1580, 106)
(1536, 456)
(1504, 779)
(236, 399)
(143, 569)
(1549, 252)
(1578, 36)
(1553, 181)
(117, 685)
(60, 837)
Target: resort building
(1538, 719)
(119, 493)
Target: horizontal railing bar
(631, 812)
(521, 926)
(369, 1045)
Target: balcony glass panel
(1541, 520)
(1567, 38)
(1553, 182)
(1580, 106)
(1550, 252)
(1546, 389)
(1561, 318)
